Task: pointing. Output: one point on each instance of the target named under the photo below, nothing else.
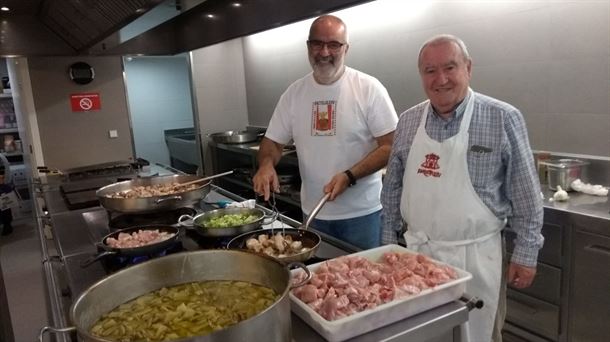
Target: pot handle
(271, 217)
(54, 331)
(90, 260)
(172, 198)
(305, 269)
(185, 221)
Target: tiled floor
(20, 258)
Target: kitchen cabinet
(590, 295)
(540, 311)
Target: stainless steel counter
(73, 240)
(580, 204)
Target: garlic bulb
(560, 195)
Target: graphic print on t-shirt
(324, 118)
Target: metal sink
(182, 146)
(188, 137)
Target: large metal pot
(272, 324)
(155, 203)
(235, 137)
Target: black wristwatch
(350, 175)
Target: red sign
(85, 102)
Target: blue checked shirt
(504, 178)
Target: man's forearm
(269, 153)
(372, 162)
(376, 159)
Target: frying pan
(134, 251)
(199, 222)
(140, 205)
(308, 238)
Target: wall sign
(85, 102)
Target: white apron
(448, 221)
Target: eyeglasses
(319, 45)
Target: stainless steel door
(590, 293)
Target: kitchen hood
(63, 27)
(143, 27)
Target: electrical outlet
(113, 133)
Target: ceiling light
(211, 16)
(5, 9)
(236, 4)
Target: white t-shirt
(334, 127)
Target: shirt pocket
(484, 164)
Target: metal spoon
(203, 179)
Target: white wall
(74, 139)
(549, 58)
(218, 79)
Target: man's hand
(265, 180)
(520, 276)
(337, 185)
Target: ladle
(203, 179)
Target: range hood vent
(83, 23)
(124, 27)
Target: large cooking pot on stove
(200, 223)
(176, 200)
(235, 137)
(272, 324)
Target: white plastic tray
(398, 309)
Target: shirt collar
(459, 110)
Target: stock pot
(272, 324)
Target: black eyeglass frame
(333, 45)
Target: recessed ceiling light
(211, 16)
(236, 4)
(5, 9)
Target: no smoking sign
(85, 102)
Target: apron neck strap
(465, 124)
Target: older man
(461, 167)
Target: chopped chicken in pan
(153, 190)
(138, 239)
(278, 245)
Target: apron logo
(324, 118)
(429, 165)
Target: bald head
(328, 23)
